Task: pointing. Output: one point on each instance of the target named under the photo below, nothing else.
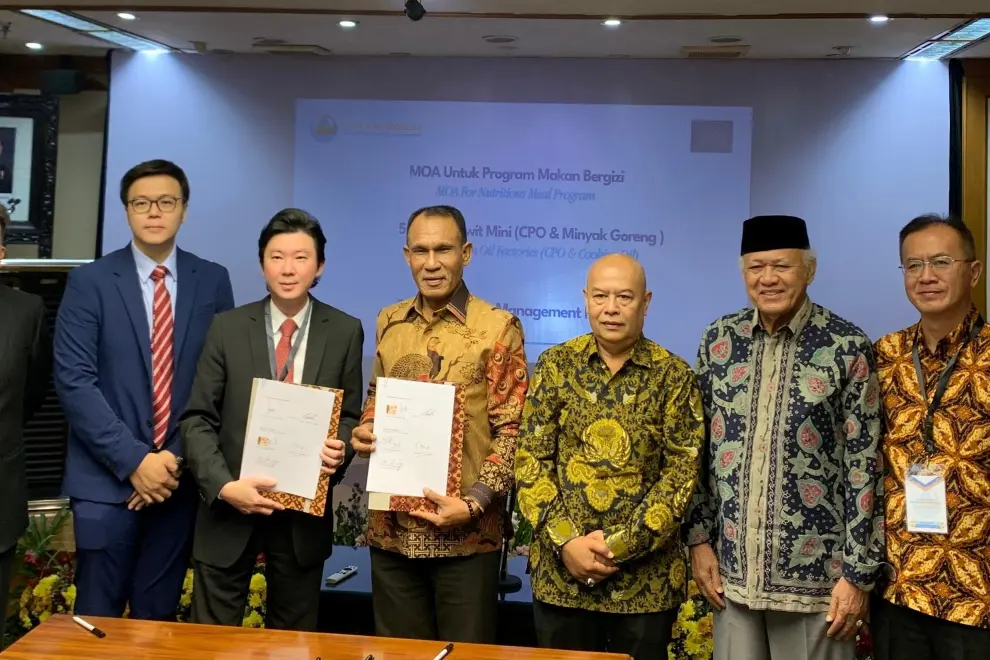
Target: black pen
(445, 652)
(370, 657)
(90, 627)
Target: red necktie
(282, 350)
(161, 357)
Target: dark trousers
(642, 636)
(6, 564)
(900, 633)
(454, 599)
(136, 557)
(220, 594)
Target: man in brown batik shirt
(937, 603)
(435, 575)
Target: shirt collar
(953, 341)
(796, 323)
(278, 318)
(457, 306)
(640, 354)
(146, 265)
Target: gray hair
(808, 258)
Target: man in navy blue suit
(128, 336)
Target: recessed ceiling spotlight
(499, 38)
(347, 25)
(879, 19)
(611, 22)
(33, 45)
(126, 16)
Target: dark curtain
(955, 137)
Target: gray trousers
(745, 634)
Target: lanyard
(943, 382)
(272, 341)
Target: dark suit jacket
(25, 366)
(214, 424)
(103, 366)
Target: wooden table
(62, 639)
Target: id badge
(924, 497)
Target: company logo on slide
(325, 129)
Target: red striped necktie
(282, 350)
(161, 357)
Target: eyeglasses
(942, 263)
(164, 204)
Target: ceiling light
(611, 22)
(879, 19)
(347, 25)
(956, 40)
(127, 17)
(96, 30)
(34, 45)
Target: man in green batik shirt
(606, 463)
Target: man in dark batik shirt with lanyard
(935, 383)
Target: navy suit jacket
(102, 366)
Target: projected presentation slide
(545, 189)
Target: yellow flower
(185, 600)
(70, 596)
(253, 620)
(254, 600)
(258, 583)
(43, 617)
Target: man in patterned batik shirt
(937, 604)
(435, 575)
(785, 539)
(606, 464)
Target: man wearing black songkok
(785, 539)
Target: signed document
(413, 430)
(287, 427)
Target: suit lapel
(130, 291)
(315, 342)
(258, 338)
(186, 294)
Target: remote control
(341, 575)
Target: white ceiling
(562, 7)
(462, 35)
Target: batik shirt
(794, 464)
(480, 348)
(945, 576)
(617, 453)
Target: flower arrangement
(692, 636)
(254, 610)
(351, 519)
(42, 581)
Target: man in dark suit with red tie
(127, 338)
(293, 337)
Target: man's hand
(704, 566)
(588, 558)
(363, 440)
(244, 495)
(847, 610)
(155, 478)
(332, 456)
(451, 511)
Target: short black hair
(934, 219)
(441, 211)
(291, 221)
(156, 167)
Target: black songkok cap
(774, 232)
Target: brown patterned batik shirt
(479, 347)
(946, 576)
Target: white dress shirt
(277, 319)
(145, 267)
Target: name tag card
(924, 498)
